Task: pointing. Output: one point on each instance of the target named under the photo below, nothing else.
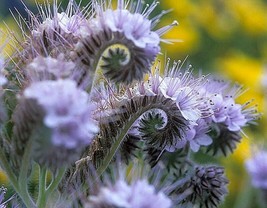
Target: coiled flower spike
(66, 119)
(123, 43)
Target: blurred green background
(224, 37)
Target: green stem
(115, 147)
(41, 201)
(132, 110)
(23, 176)
(54, 184)
(11, 176)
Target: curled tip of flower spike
(131, 29)
(164, 126)
(121, 61)
(157, 122)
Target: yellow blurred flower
(246, 71)
(234, 164)
(180, 9)
(5, 37)
(186, 31)
(187, 37)
(3, 178)
(251, 14)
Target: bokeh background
(223, 37)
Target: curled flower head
(124, 40)
(221, 101)
(162, 127)
(180, 86)
(68, 116)
(257, 169)
(227, 117)
(204, 187)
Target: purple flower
(195, 136)
(220, 100)
(139, 194)
(235, 119)
(257, 169)
(226, 111)
(219, 108)
(181, 87)
(74, 24)
(134, 26)
(45, 68)
(170, 87)
(67, 112)
(187, 101)
(134, 23)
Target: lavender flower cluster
(84, 92)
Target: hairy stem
(117, 143)
(11, 176)
(23, 176)
(132, 110)
(92, 53)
